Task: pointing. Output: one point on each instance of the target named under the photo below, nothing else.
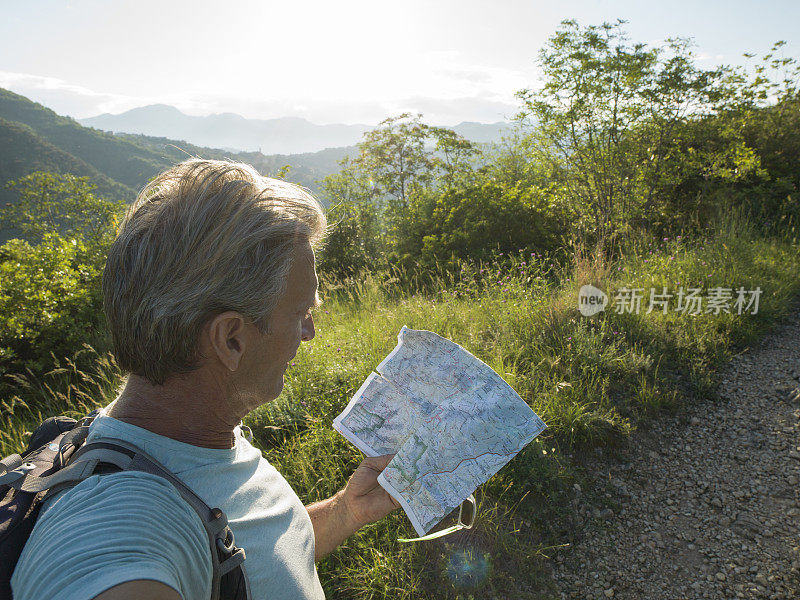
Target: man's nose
(308, 329)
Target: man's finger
(378, 462)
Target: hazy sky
(335, 62)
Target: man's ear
(227, 336)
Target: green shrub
(50, 301)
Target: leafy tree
(354, 242)
(403, 156)
(394, 156)
(743, 153)
(453, 156)
(64, 204)
(488, 216)
(607, 115)
(380, 200)
(50, 283)
(50, 301)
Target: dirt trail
(707, 502)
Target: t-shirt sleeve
(111, 529)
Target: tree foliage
(472, 222)
(63, 204)
(50, 283)
(607, 116)
(379, 200)
(354, 239)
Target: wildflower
(524, 263)
(292, 363)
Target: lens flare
(467, 567)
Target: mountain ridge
(35, 138)
(281, 135)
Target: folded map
(450, 420)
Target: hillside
(306, 169)
(119, 159)
(23, 151)
(33, 137)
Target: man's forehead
(309, 287)
(303, 276)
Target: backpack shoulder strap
(8, 468)
(228, 576)
(225, 555)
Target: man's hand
(362, 501)
(363, 497)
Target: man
(207, 289)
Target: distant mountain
(288, 135)
(33, 137)
(306, 169)
(121, 160)
(483, 133)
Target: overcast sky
(335, 62)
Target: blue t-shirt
(124, 526)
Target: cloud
(704, 56)
(484, 107)
(317, 110)
(66, 98)
(471, 75)
(474, 103)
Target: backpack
(57, 458)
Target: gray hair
(204, 237)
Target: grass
(592, 379)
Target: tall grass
(592, 379)
(64, 390)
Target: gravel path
(704, 504)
